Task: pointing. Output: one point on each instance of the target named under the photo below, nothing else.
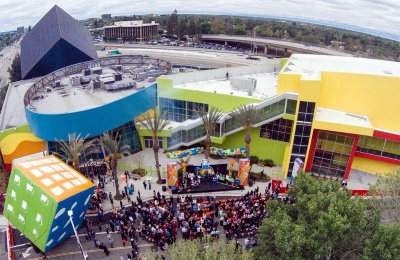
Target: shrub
(139, 171)
(254, 159)
(268, 163)
(260, 176)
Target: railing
(193, 131)
(39, 87)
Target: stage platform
(209, 186)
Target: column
(351, 157)
(311, 152)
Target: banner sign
(172, 173)
(243, 172)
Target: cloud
(379, 15)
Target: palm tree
(156, 123)
(74, 148)
(210, 119)
(247, 115)
(112, 146)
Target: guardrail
(39, 87)
(192, 132)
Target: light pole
(84, 254)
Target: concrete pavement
(186, 56)
(8, 54)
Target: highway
(185, 55)
(294, 46)
(6, 58)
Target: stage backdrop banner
(243, 173)
(218, 168)
(172, 173)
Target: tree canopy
(201, 250)
(325, 222)
(386, 196)
(15, 69)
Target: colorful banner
(184, 153)
(297, 166)
(243, 172)
(172, 173)
(228, 152)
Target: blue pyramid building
(56, 41)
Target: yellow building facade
(353, 112)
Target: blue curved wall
(95, 121)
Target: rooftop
(258, 82)
(135, 23)
(310, 65)
(13, 112)
(340, 117)
(95, 85)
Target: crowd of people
(162, 220)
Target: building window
(277, 130)
(128, 137)
(302, 132)
(380, 147)
(180, 110)
(291, 106)
(332, 154)
(148, 142)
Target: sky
(372, 15)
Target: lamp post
(84, 254)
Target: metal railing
(39, 87)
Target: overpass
(271, 46)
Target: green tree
(181, 28)
(210, 120)
(156, 123)
(74, 148)
(218, 25)
(383, 244)
(3, 93)
(201, 250)
(15, 69)
(192, 27)
(172, 23)
(386, 196)
(113, 146)
(325, 222)
(247, 115)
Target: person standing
(126, 190)
(144, 185)
(105, 249)
(149, 184)
(111, 199)
(110, 240)
(132, 188)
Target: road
(6, 57)
(294, 46)
(185, 55)
(70, 250)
